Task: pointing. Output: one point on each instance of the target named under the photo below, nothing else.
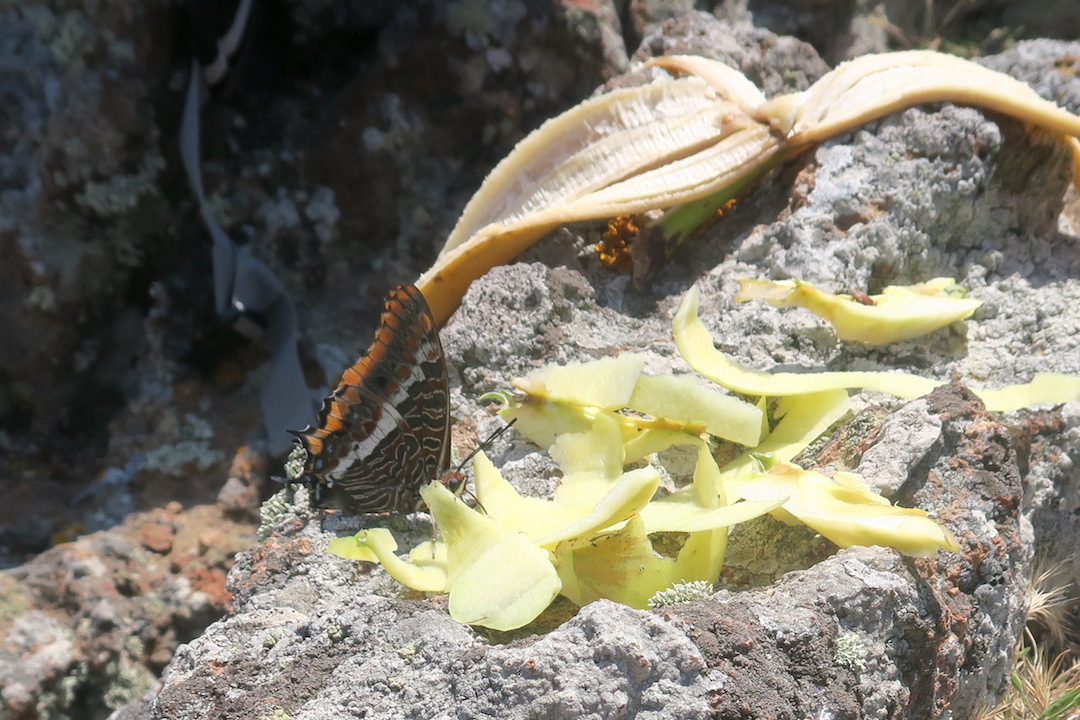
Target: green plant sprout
(898, 313)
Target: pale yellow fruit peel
(898, 313)
(566, 398)
(675, 141)
(528, 547)
(728, 82)
(685, 401)
(606, 383)
(872, 86)
(802, 419)
(496, 578)
(631, 493)
(591, 145)
(503, 567)
(621, 565)
(845, 510)
(696, 346)
(425, 574)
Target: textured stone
(86, 627)
(331, 171)
(862, 633)
(858, 633)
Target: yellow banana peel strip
(687, 403)
(496, 578)
(844, 509)
(802, 419)
(621, 564)
(378, 545)
(567, 398)
(898, 313)
(696, 346)
(606, 383)
(503, 568)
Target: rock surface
(342, 163)
(862, 633)
(340, 157)
(87, 627)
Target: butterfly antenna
(486, 444)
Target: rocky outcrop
(865, 633)
(797, 628)
(859, 633)
(88, 626)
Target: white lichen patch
(850, 652)
(683, 592)
(193, 451)
(41, 298)
(280, 213)
(274, 507)
(323, 213)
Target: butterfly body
(384, 432)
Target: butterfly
(384, 432)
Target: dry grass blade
(1045, 682)
(1049, 600)
(1043, 688)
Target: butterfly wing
(385, 430)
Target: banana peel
(678, 140)
(696, 347)
(844, 509)
(898, 313)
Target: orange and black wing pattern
(384, 431)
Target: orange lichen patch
(272, 557)
(211, 581)
(721, 212)
(463, 434)
(157, 536)
(614, 246)
(247, 463)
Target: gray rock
(87, 626)
(843, 30)
(859, 633)
(904, 439)
(340, 156)
(80, 198)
